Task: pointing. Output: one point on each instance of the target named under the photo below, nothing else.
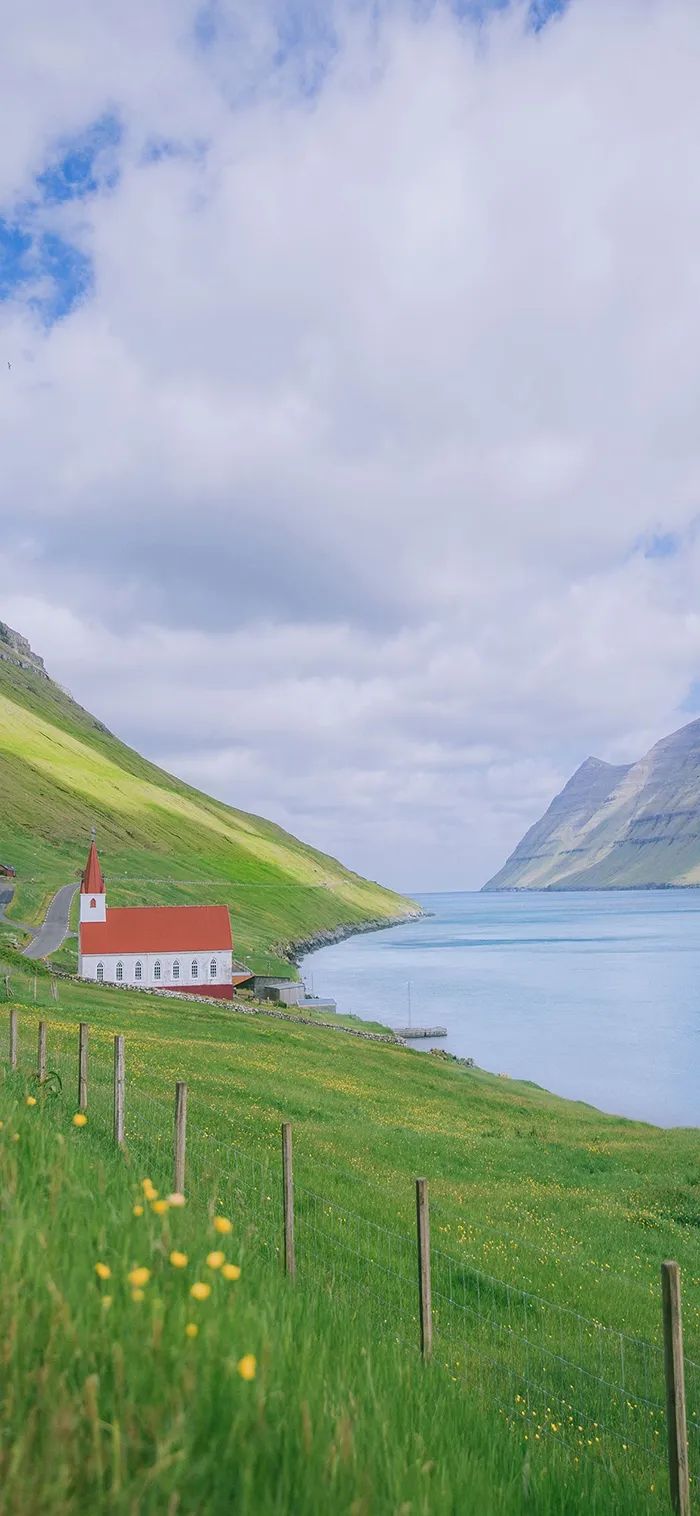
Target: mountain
(62, 772)
(617, 827)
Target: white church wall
(149, 978)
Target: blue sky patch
(42, 267)
(83, 164)
(662, 545)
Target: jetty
(407, 1032)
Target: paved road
(55, 926)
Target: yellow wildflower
(139, 1276)
(178, 1260)
(222, 1225)
(191, 1329)
(176, 1198)
(149, 1189)
(230, 1271)
(103, 1270)
(138, 1210)
(15, 1136)
(159, 1207)
(80, 1119)
(106, 1302)
(31, 1100)
(200, 1290)
(138, 1295)
(215, 1259)
(247, 1366)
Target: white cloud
(335, 493)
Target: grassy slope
(108, 1406)
(160, 840)
(549, 1196)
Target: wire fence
(550, 1372)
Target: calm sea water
(594, 995)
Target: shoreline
(328, 936)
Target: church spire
(93, 900)
(92, 882)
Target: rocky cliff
(618, 827)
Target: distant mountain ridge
(617, 826)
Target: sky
(349, 395)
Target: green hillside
(549, 1221)
(62, 772)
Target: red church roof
(92, 882)
(158, 929)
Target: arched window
(176, 969)
(194, 968)
(100, 972)
(93, 903)
(120, 972)
(138, 971)
(156, 969)
(212, 969)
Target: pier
(408, 1032)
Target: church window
(100, 972)
(176, 969)
(138, 971)
(120, 972)
(195, 968)
(212, 968)
(156, 969)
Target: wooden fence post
(41, 1053)
(83, 1066)
(119, 1089)
(290, 1263)
(180, 1136)
(424, 1291)
(13, 1039)
(676, 1429)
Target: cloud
(361, 484)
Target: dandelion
(215, 1259)
(138, 1210)
(103, 1270)
(200, 1290)
(222, 1225)
(31, 1100)
(247, 1366)
(80, 1119)
(149, 1189)
(138, 1295)
(176, 1199)
(230, 1271)
(106, 1302)
(139, 1276)
(178, 1260)
(159, 1207)
(191, 1329)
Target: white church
(164, 947)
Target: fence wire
(551, 1371)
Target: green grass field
(61, 773)
(549, 1222)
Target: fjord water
(594, 995)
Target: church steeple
(93, 900)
